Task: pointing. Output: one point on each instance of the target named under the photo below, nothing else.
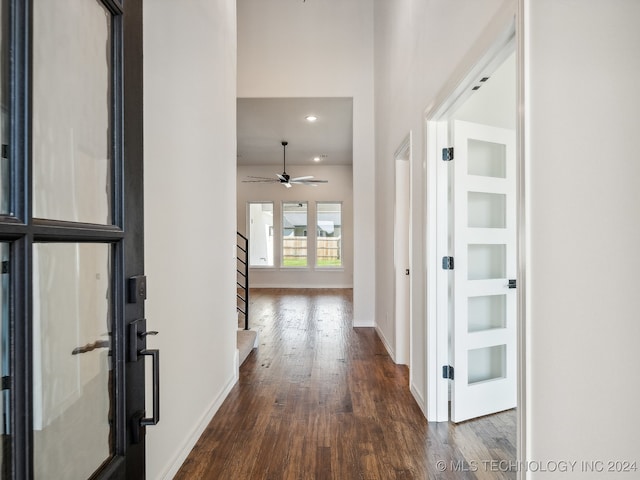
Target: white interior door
(484, 240)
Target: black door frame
(126, 235)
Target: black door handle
(137, 349)
(155, 417)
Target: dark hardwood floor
(322, 400)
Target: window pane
(261, 234)
(5, 405)
(294, 234)
(72, 101)
(5, 167)
(72, 363)
(329, 235)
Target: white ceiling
(263, 123)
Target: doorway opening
(402, 252)
(473, 230)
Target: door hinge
(406, 271)
(512, 283)
(5, 267)
(5, 150)
(447, 154)
(447, 263)
(447, 372)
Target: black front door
(72, 289)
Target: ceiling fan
(284, 178)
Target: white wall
(418, 46)
(584, 231)
(190, 143)
(494, 103)
(321, 49)
(339, 189)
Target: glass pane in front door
(72, 111)
(5, 412)
(5, 170)
(73, 384)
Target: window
(329, 235)
(261, 234)
(294, 234)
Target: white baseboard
(362, 323)
(297, 285)
(204, 421)
(387, 345)
(417, 396)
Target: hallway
(320, 399)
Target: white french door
(484, 302)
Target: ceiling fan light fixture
(284, 178)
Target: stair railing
(242, 279)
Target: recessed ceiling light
(311, 118)
(316, 159)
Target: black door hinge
(512, 283)
(447, 154)
(5, 267)
(447, 263)
(447, 372)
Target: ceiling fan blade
(287, 184)
(311, 182)
(261, 181)
(252, 178)
(281, 177)
(308, 177)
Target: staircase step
(247, 341)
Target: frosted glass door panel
(72, 103)
(488, 363)
(487, 261)
(73, 385)
(487, 312)
(487, 159)
(487, 210)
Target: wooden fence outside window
(328, 252)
